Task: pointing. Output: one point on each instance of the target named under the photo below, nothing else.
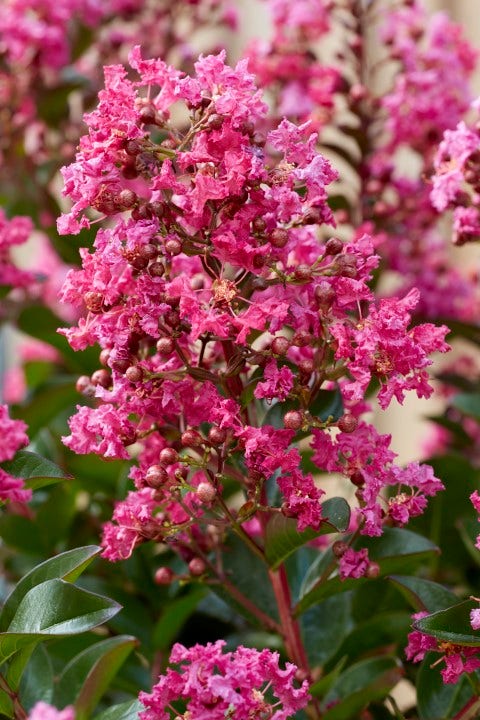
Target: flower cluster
(458, 659)
(210, 683)
(13, 437)
(211, 279)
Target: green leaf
(436, 700)
(54, 608)
(468, 403)
(38, 680)
(88, 675)
(67, 566)
(360, 685)
(250, 575)
(327, 404)
(34, 469)
(397, 550)
(47, 403)
(174, 616)
(325, 626)
(282, 537)
(125, 711)
(451, 625)
(322, 686)
(383, 630)
(424, 594)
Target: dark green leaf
(361, 684)
(125, 711)
(247, 573)
(383, 630)
(468, 403)
(34, 469)
(397, 550)
(451, 625)
(54, 608)
(88, 675)
(174, 617)
(282, 537)
(322, 686)
(37, 681)
(424, 594)
(67, 566)
(436, 700)
(325, 626)
(327, 404)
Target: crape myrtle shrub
(227, 265)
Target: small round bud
(133, 147)
(347, 423)
(217, 435)
(280, 345)
(126, 199)
(197, 567)
(84, 386)
(293, 420)
(357, 478)
(313, 216)
(104, 356)
(339, 548)
(306, 366)
(134, 374)
(302, 339)
(206, 492)
(101, 377)
(156, 269)
(121, 364)
(168, 456)
(173, 246)
(302, 272)
(259, 224)
(164, 576)
(165, 346)
(149, 251)
(278, 237)
(373, 570)
(191, 438)
(333, 246)
(156, 476)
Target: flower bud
(134, 374)
(280, 345)
(101, 377)
(168, 456)
(156, 476)
(373, 570)
(293, 420)
(206, 492)
(347, 423)
(191, 438)
(278, 237)
(165, 346)
(197, 566)
(217, 435)
(163, 576)
(85, 386)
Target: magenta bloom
(215, 685)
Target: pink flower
(302, 499)
(353, 563)
(212, 683)
(475, 618)
(44, 711)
